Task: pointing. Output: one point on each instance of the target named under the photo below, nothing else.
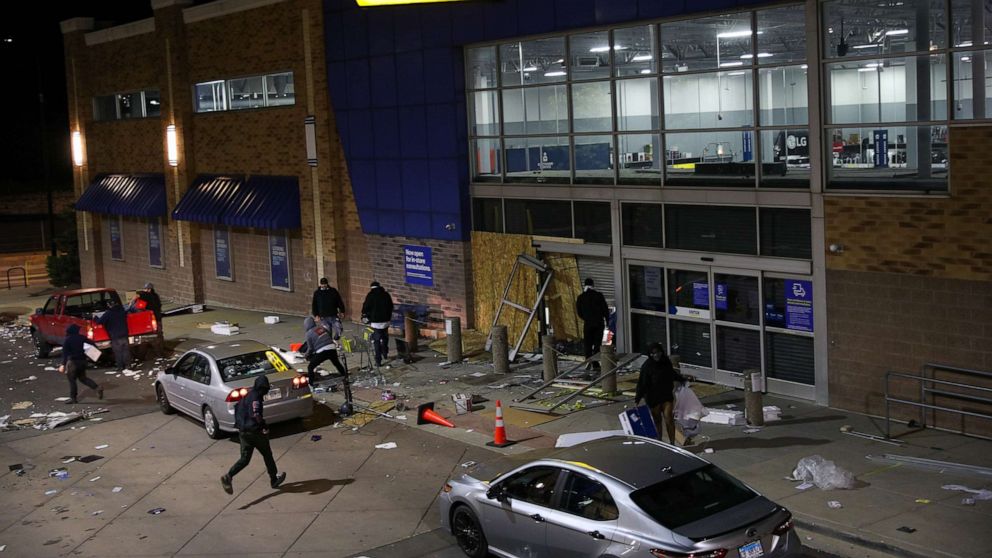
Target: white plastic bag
(825, 474)
(688, 411)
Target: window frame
(225, 89)
(141, 101)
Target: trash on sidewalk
(978, 494)
(21, 405)
(29, 378)
(51, 491)
(723, 416)
(224, 328)
(90, 458)
(709, 450)
(387, 445)
(271, 320)
(805, 486)
(102, 446)
(315, 437)
(96, 478)
(156, 511)
(60, 473)
(117, 489)
(463, 403)
(70, 458)
(835, 505)
(906, 529)
(468, 464)
(824, 473)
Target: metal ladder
(543, 270)
(580, 385)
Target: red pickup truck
(81, 307)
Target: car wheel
(210, 424)
(39, 342)
(163, 400)
(467, 531)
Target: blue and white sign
(701, 295)
(881, 138)
(748, 141)
(155, 243)
(222, 253)
(798, 305)
(116, 245)
(417, 265)
(720, 296)
(638, 422)
(279, 260)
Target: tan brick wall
(913, 284)
(134, 270)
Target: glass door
(737, 325)
(690, 317)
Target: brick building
(750, 186)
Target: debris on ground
(977, 494)
(825, 474)
(387, 445)
(834, 505)
(21, 405)
(156, 511)
(28, 379)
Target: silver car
(208, 380)
(619, 496)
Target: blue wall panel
(570, 14)
(356, 35)
(391, 223)
(359, 93)
(417, 224)
(408, 35)
(413, 132)
(417, 185)
(535, 18)
(439, 75)
(380, 32)
(387, 138)
(441, 126)
(435, 27)
(382, 73)
(360, 134)
(615, 11)
(388, 184)
(410, 78)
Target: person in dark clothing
(114, 320)
(592, 308)
(377, 311)
(320, 347)
(253, 434)
(326, 302)
(74, 363)
(148, 299)
(656, 386)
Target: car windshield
(692, 496)
(250, 364)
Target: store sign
(417, 265)
(799, 305)
(116, 248)
(652, 282)
(720, 296)
(374, 3)
(279, 260)
(881, 138)
(701, 295)
(155, 243)
(222, 253)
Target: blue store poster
(116, 251)
(279, 260)
(720, 296)
(701, 295)
(798, 305)
(222, 253)
(417, 265)
(155, 243)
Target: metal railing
(24, 275)
(931, 387)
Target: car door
(182, 385)
(199, 383)
(47, 321)
(585, 519)
(516, 526)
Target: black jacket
(114, 320)
(592, 308)
(378, 306)
(657, 381)
(326, 303)
(72, 347)
(153, 303)
(248, 411)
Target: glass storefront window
(535, 110)
(639, 158)
(480, 67)
(688, 293)
(716, 158)
(589, 55)
(540, 159)
(785, 158)
(486, 160)
(971, 20)
(483, 111)
(869, 27)
(487, 215)
(591, 107)
(637, 104)
(888, 90)
(706, 43)
(967, 65)
(786, 233)
(533, 62)
(730, 230)
(712, 100)
(783, 96)
(735, 298)
(635, 52)
(889, 158)
(642, 224)
(540, 217)
(210, 96)
(789, 357)
(593, 222)
(129, 105)
(646, 330)
(738, 349)
(594, 159)
(691, 341)
(153, 102)
(246, 93)
(647, 288)
(782, 35)
(279, 90)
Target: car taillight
(89, 333)
(718, 553)
(236, 394)
(784, 528)
(300, 381)
(446, 488)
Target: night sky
(32, 59)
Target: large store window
(585, 220)
(123, 106)
(244, 93)
(693, 102)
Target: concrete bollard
(608, 361)
(453, 329)
(753, 408)
(410, 333)
(501, 350)
(550, 358)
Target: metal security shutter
(789, 357)
(601, 271)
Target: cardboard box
(271, 319)
(224, 329)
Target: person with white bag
(656, 386)
(688, 412)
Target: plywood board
(493, 256)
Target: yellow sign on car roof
(584, 465)
(371, 3)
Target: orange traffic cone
(499, 435)
(425, 414)
(295, 347)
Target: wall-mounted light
(836, 248)
(310, 131)
(77, 148)
(172, 145)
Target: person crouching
(320, 347)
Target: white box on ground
(271, 319)
(569, 440)
(772, 413)
(724, 416)
(224, 329)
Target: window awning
(264, 202)
(130, 195)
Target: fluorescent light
(804, 66)
(747, 56)
(529, 69)
(77, 148)
(172, 145)
(897, 32)
(730, 34)
(873, 65)
(738, 73)
(760, 55)
(966, 59)
(559, 61)
(867, 69)
(556, 73)
(964, 44)
(599, 49)
(865, 46)
(642, 57)
(645, 71)
(731, 64)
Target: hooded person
(595, 313)
(656, 386)
(320, 347)
(74, 363)
(253, 435)
(377, 310)
(114, 320)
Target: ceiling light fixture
(731, 64)
(731, 34)
(642, 58)
(897, 32)
(557, 73)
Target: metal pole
(753, 410)
(501, 348)
(44, 151)
(550, 358)
(453, 330)
(608, 360)
(410, 333)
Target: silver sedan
(620, 496)
(207, 382)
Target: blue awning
(130, 195)
(264, 202)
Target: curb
(858, 540)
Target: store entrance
(720, 322)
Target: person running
(74, 363)
(253, 434)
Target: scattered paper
(117, 489)
(94, 479)
(61, 399)
(834, 505)
(97, 512)
(478, 374)
(315, 438)
(21, 405)
(156, 511)
(102, 446)
(28, 379)
(387, 445)
(708, 450)
(922, 500)
(400, 417)
(805, 486)
(50, 492)
(90, 458)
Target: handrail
(929, 388)
(24, 275)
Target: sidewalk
(895, 510)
